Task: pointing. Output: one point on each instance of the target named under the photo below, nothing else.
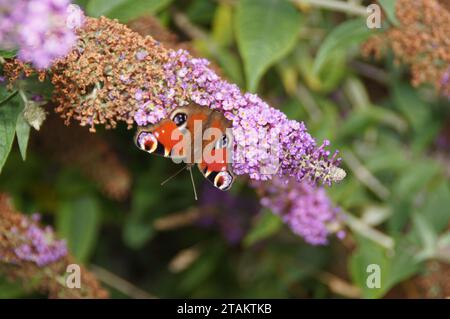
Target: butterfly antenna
(172, 176)
(192, 180)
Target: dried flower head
(434, 282)
(98, 82)
(31, 254)
(15, 70)
(421, 41)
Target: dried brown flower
(96, 83)
(49, 278)
(421, 41)
(434, 282)
(14, 69)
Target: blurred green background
(306, 60)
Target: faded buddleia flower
(434, 282)
(421, 40)
(98, 81)
(32, 255)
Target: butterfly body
(195, 135)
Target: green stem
(23, 96)
(365, 176)
(361, 228)
(335, 5)
(310, 105)
(120, 284)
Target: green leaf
(10, 289)
(266, 225)
(201, 12)
(403, 264)
(388, 156)
(7, 54)
(266, 31)
(394, 266)
(363, 118)
(437, 207)
(427, 236)
(368, 253)
(411, 105)
(8, 97)
(23, 135)
(8, 119)
(348, 33)
(82, 3)
(202, 269)
(415, 176)
(356, 92)
(444, 241)
(334, 70)
(78, 222)
(223, 18)
(98, 8)
(125, 10)
(389, 9)
(136, 233)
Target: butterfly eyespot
(223, 180)
(222, 142)
(180, 119)
(147, 142)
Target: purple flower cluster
(266, 142)
(304, 207)
(41, 30)
(40, 246)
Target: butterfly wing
(158, 139)
(215, 165)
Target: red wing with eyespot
(159, 138)
(215, 165)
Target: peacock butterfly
(193, 134)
